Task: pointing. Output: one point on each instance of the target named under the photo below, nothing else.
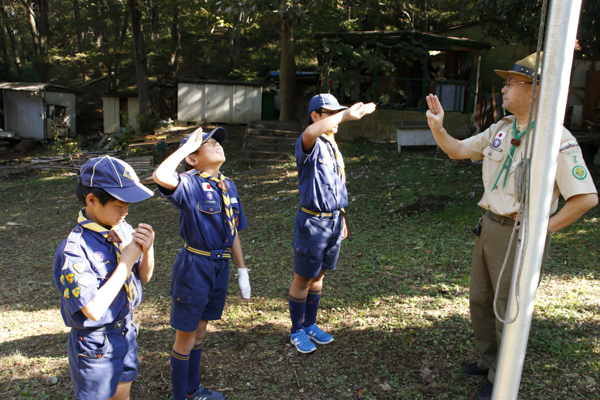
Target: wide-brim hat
(116, 177)
(219, 134)
(524, 68)
(325, 101)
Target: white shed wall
(24, 114)
(211, 102)
(110, 110)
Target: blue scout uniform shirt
(321, 187)
(83, 262)
(201, 213)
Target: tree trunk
(461, 11)
(13, 40)
(141, 70)
(175, 40)
(38, 19)
(425, 21)
(287, 69)
(5, 56)
(79, 34)
(235, 49)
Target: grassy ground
(397, 304)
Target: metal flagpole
(556, 68)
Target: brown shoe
(473, 369)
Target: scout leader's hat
(524, 68)
(116, 177)
(220, 134)
(326, 101)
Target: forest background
(141, 44)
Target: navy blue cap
(116, 177)
(220, 134)
(326, 101)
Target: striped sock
(193, 375)
(312, 306)
(179, 373)
(297, 308)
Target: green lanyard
(508, 160)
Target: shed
(120, 110)
(218, 101)
(39, 111)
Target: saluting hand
(194, 142)
(359, 110)
(435, 114)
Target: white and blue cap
(326, 101)
(116, 177)
(219, 134)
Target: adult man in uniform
(501, 147)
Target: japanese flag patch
(498, 139)
(206, 187)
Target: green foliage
(65, 145)
(519, 21)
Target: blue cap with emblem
(326, 101)
(116, 177)
(219, 134)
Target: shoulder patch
(70, 277)
(76, 291)
(569, 146)
(79, 267)
(66, 293)
(62, 280)
(579, 172)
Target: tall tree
(288, 14)
(141, 70)
(13, 40)
(38, 21)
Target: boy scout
(320, 223)
(497, 146)
(210, 215)
(99, 274)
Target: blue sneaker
(315, 334)
(204, 394)
(302, 342)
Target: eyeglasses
(509, 82)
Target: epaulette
(73, 239)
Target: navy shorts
(317, 242)
(198, 290)
(98, 361)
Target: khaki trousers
(488, 257)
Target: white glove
(244, 282)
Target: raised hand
(435, 114)
(359, 110)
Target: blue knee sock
(179, 373)
(297, 308)
(312, 306)
(193, 375)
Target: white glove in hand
(244, 282)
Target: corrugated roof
(34, 86)
(433, 42)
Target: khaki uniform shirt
(493, 145)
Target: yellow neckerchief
(111, 236)
(330, 138)
(226, 202)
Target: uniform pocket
(210, 208)
(93, 347)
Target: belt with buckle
(499, 218)
(112, 326)
(333, 214)
(214, 254)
